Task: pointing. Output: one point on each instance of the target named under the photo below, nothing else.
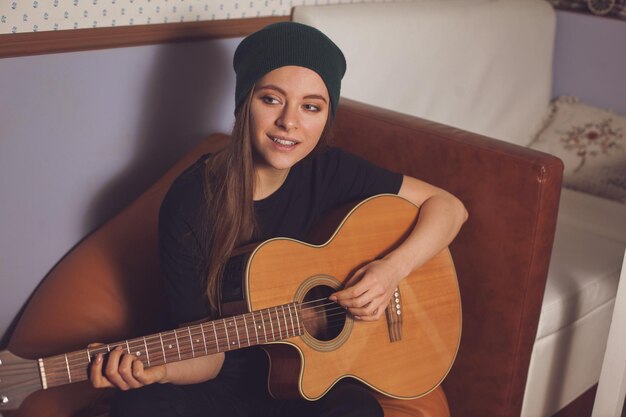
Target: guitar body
(405, 354)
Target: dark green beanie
(288, 43)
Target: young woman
(275, 177)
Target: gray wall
(590, 60)
(82, 134)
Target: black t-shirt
(313, 186)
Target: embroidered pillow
(592, 144)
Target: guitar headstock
(18, 379)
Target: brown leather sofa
(109, 286)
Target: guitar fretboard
(210, 337)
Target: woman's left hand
(367, 293)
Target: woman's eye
(311, 107)
(269, 100)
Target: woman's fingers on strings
(371, 312)
(111, 370)
(111, 374)
(361, 312)
(140, 374)
(367, 280)
(95, 373)
(359, 301)
(348, 296)
(349, 290)
(366, 307)
(127, 371)
(122, 370)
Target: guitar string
(155, 350)
(56, 374)
(255, 315)
(19, 370)
(32, 384)
(186, 349)
(170, 333)
(169, 336)
(184, 352)
(196, 329)
(157, 347)
(219, 341)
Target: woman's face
(288, 112)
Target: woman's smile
(284, 143)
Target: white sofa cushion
(457, 72)
(578, 301)
(586, 259)
(566, 363)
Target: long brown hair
(229, 189)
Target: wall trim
(24, 44)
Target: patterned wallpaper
(20, 16)
(606, 8)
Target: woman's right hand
(123, 371)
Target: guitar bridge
(394, 317)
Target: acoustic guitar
(312, 342)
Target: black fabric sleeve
(179, 252)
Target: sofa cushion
(592, 144)
(576, 310)
(567, 363)
(586, 259)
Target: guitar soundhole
(323, 319)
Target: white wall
(82, 134)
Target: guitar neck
(207, 338)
